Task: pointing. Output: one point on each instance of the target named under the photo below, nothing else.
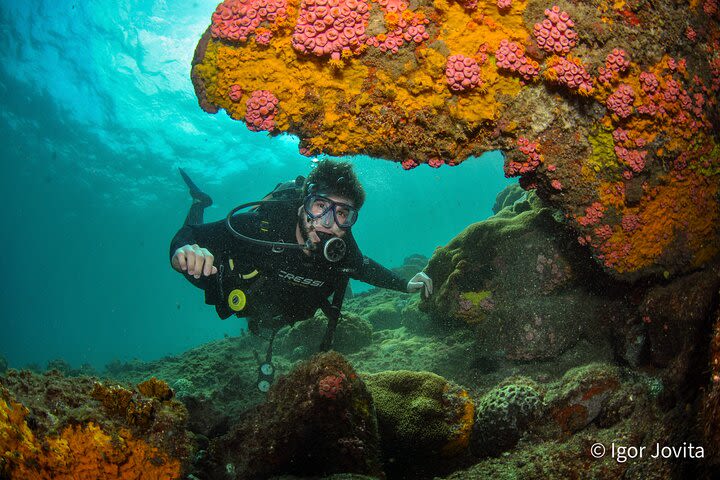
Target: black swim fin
(199, 197)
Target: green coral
(409, 408)
(476, 297)
(603, 156)
(709, 165)
(420, 416)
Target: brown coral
(155, 388)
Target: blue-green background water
(97, 111)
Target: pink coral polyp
(332, 386)
(511, 56)
(462, 73)
(621, 101)
(649, 82)
(593, 214)
(236, 20)
(616, 63)
(261, 109)
(322, 30)
(555, 34)
(573, 75)
(405, 29)
(409, 164)
(235, 92)
(532, 156)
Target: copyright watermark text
(623, 453)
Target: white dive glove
(420, 282)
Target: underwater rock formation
(612, 119)
(626, 414)
(710, 410)
(73, 428)
(423, 419)
(303, 338)
(317, 420)
(529, 294)
(676, 316)
(507, 197)
(385, 309)
(518, 282)
(583, 393)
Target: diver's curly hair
(335, 178)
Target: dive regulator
(333, 249)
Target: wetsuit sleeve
(217, 239)
(369, 271)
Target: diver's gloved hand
(194, 260)
(420, 282)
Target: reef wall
(52, 426)
(608, 109)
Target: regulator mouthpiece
(334, 249)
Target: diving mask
(318, 206)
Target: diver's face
(326, 223)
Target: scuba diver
(285, 257)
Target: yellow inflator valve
(237, 300)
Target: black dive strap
(332, 312)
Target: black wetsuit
(290, 285)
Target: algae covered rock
(507, 197)
(521, 284)
(498, 255)
(503, 414)
(52, 426)
(581, 395)
(303, 338)
(385, 309)
(422, 418)
(317, 420)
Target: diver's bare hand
(194, 260)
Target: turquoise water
(97, 112)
